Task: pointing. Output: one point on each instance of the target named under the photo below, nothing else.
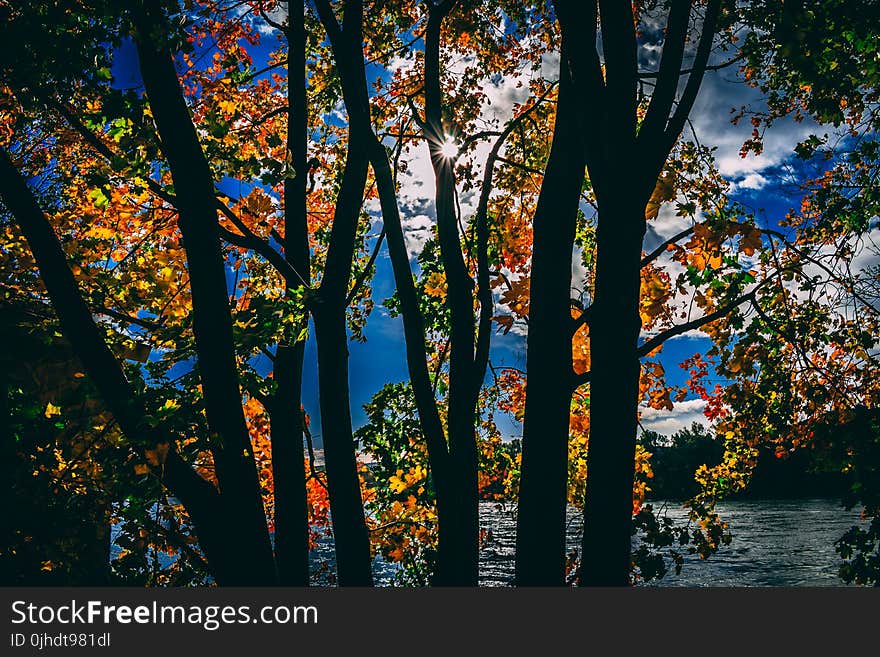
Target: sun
(449, 149)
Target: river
(775, 543)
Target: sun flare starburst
(449, 149)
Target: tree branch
(713, 67)
(656, 253)
(724, 310)
(361, 279)
(654, 122)
(198, 495)
(484, 291)
(695, 79)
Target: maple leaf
(436, 285)
(664, 191)
(505, 321)
(517, 296)
(751, 241)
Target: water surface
(775, 543)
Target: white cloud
(668, 422)
(722, 92)
(693, 334)
(416, 231)
(752, 181)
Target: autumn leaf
(664, 191)
(517, 296)
(436, 286)
(505, 321)
(751, 241)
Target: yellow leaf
(52, 410)
(664, 191)
(435, 286)
(517, 297)
(227, 107)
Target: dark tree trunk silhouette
(540, 546)
(623, 161)
(329, 311)
(614, 386)
(454, 471)
(200, 498)
(285, 407)
(622, 192)
(457, 561)
(416, 359)
(212, 320)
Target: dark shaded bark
(349, 60)
(624, 168)
(458, 556)
(623, 163)
(288, 467)
(286, 412)
(212, 321)
(448, 508)
(614, 391)
(350, 535)
(414, 338)
(200, 498)
(540, 544)
(350, 532)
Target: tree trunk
(350, 534)
(288, 468)
(287, 418)
(351, 537)
(458, 556)
(540, 531)
(414, 336)
(329, 311)
(200, 498)
(212, 320)
(614, 386)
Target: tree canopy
(278, 276)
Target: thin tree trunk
(353, 78)
(212, 320)
(458, 559)
(288, 463)
(329, 311)
(416, 359)
(288, 468)
(350, 532)
(540, 532)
